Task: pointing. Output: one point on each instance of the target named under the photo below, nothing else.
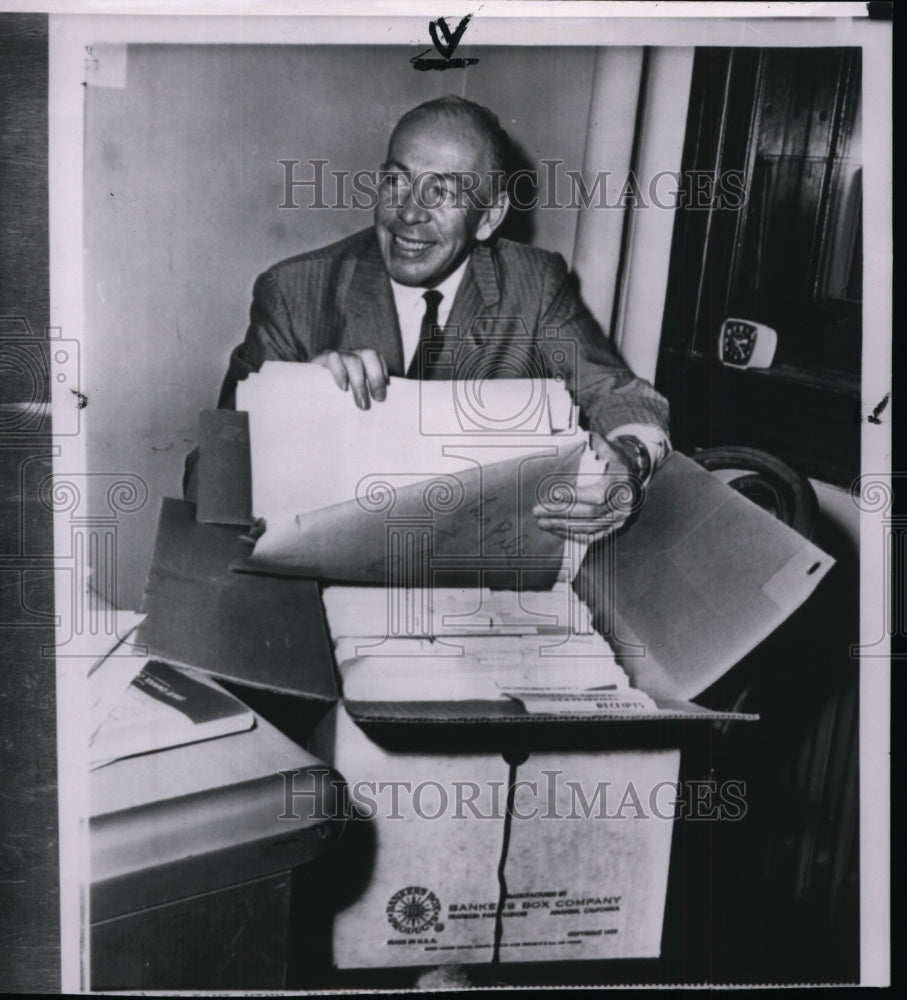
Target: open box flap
(476, 726)
(224, 468)
(511, 711)
(258, 631)
(700, 578)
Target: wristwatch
(638, 454)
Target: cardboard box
(577, 866)
(699, 578)
(573, 865)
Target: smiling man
(429, 216)
(430, 280)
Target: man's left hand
(600, 506)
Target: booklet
(165, 707)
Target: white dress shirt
(411, 308)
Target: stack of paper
(355, 611)
(486, 668)
(439, 480)
(312, 447)
(463, 645)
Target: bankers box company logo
(413, 910)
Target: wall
(182, 188)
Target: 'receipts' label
(553, 701)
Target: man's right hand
(363, 371)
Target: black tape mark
(451, 38)
(446, 45)
(425, 64)
(502, 863)
(880, 11)
(873, 418)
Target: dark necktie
(420, 366)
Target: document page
(312, 447)
(438, 479)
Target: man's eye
(435, 192)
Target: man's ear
(493, 217)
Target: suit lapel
(370, 317)
(477, 295)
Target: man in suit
(428, 281)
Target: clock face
(739, 341)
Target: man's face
(425, 224)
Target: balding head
(438, 194)
(452, 112)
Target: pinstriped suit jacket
(515, 314)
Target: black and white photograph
(448, 496)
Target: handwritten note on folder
(434, 484)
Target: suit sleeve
(573, 344)
(268, 338)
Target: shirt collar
(406, 296)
